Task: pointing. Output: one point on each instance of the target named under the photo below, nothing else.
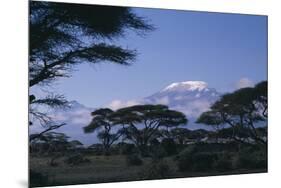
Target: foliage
(96, 149)
(251, 158)
(183, 159)
(64, 35)
(126, 148)
(53, 144)
(141, 123)
(224, 162)
(76, 159)
(102, 120)
(203, 161)
(242, 110)
(180, 135)
(192, 160)
(75, 144)
(39, 135)
(157, 152)
(157, 170)
(134, 160)
(169, 146)
(38, 179)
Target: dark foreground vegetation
(124, 163)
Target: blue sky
(220, 49)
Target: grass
(101, 169)
(108, 169)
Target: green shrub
(134, 160)
(96, 149)
(127, 149)
(158, 152)
(76, 159)
(250, 158)
(169, 146)
(223, 163)
(154, 142)
(184, 158)
(203, 161)
(157, 170)
(191, 160)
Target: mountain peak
(186, 85)
(75, 104)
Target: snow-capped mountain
(186, 86)
(189, 97)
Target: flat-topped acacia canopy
(149, 115)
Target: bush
(154, 142)
(184, 158)
(76, 159)
(169, 146)
(224, 163)
(134, 160)
(126, 149)
(190, 160)
(158, 152)
(203, 161)
(38, 179)
(96, 149)
(250, 158)
(157, 170)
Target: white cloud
(116, 104)
(194, 108)
(178, 98)
(163, 100)
(244, 82)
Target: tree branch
(53, 127)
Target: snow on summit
(187, 85)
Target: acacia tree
(75, 145)
(141, 123)
(63, 35)
(102, 123)
(54, 144)
(243, 110)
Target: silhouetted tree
(142, 122)
(75, 144)
(180, 135)
(55, 144)
(243, 110)
(102, 121)
(63, 35)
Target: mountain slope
(190, 97)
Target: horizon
(79, 114)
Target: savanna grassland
(189, 161)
